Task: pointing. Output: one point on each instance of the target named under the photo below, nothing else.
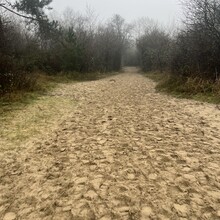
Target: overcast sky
(164, 11)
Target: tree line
(193, 51)
(30, 40)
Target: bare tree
(198, 45)
(153, 47)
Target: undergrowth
(190, 88)
(18, 98)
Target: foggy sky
(164, 11)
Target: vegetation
(79, 45)
(192, 55)
(31, 42)
(190, 87)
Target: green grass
(191, 88)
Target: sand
(122, 151)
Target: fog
(164, 11)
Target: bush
(202, 89)
(197, 46)
(12, 78)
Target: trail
(123, 152)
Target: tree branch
(16, 13)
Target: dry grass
(28, 115)
(35, 120)
(44, 83)
(193, 88)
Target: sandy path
(125, 152)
